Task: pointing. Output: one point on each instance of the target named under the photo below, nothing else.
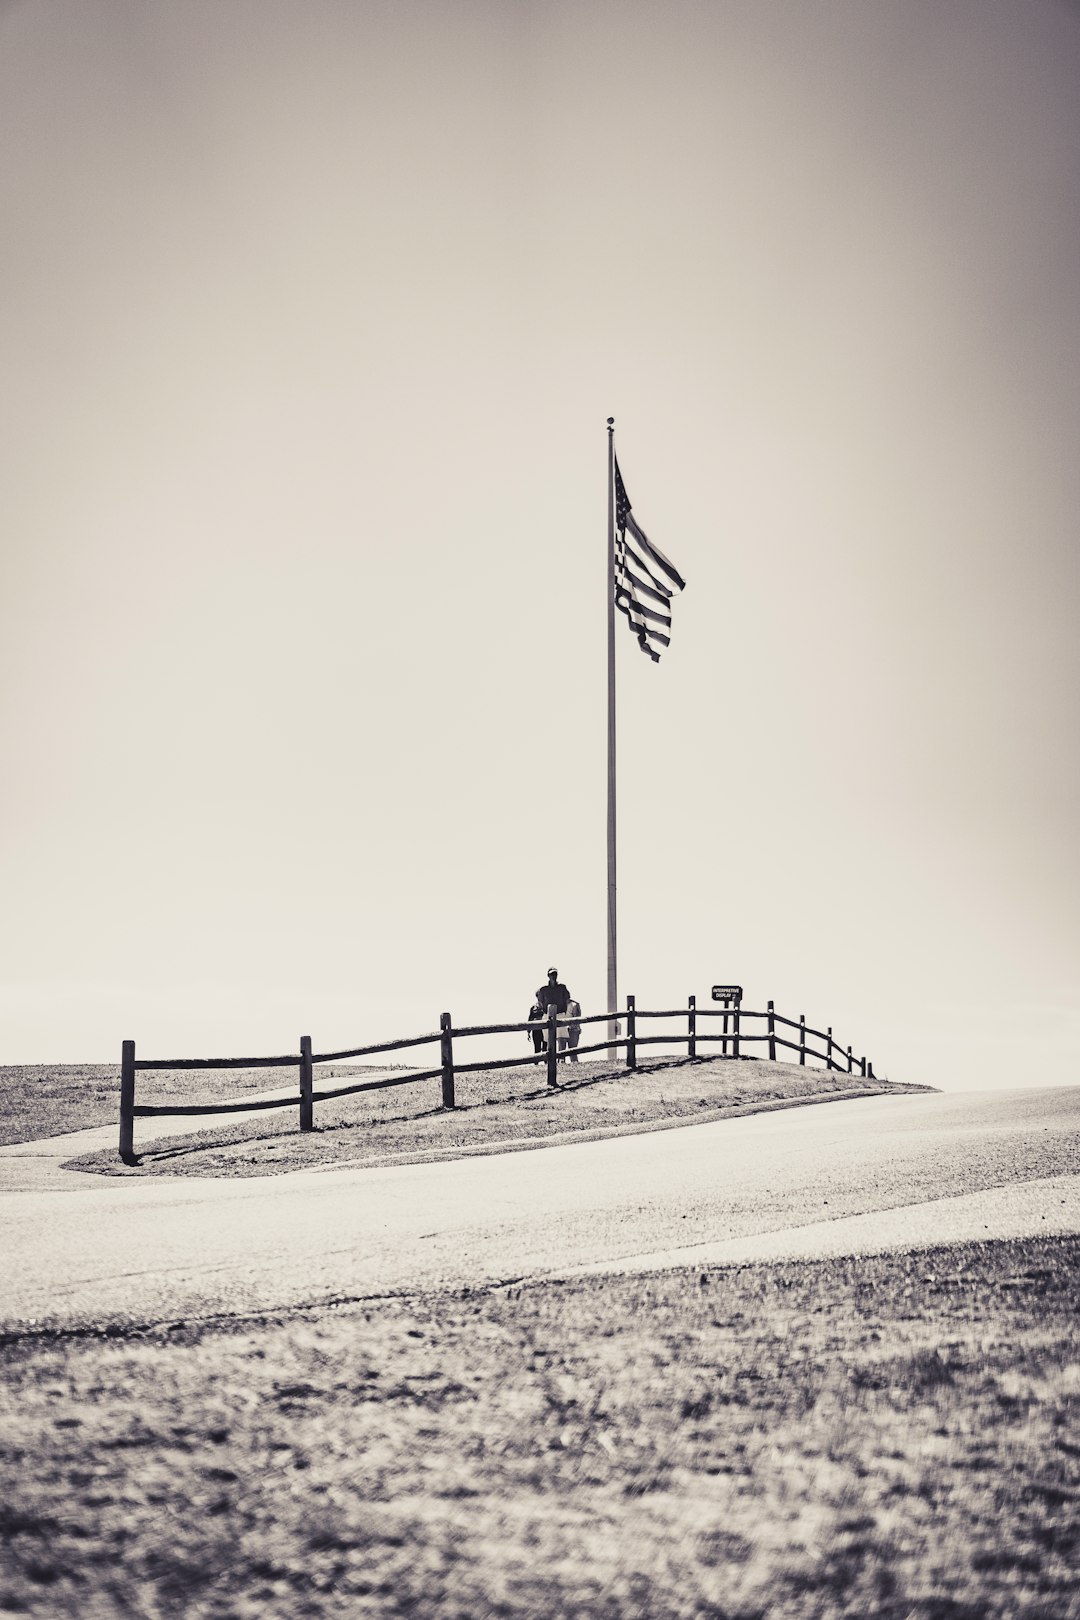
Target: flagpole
(612, 975)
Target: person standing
(536, 1034)
(573, 1029)
(554, 995)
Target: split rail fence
(737, 1030)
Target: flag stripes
(631, 587)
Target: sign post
(729, 995)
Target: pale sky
(311, 316)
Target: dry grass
(49, 1099)
(42, 1099)
(493, 1109)
(892, 1437)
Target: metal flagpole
(612, 976)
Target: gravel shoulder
(496, 1112)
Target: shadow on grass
(569, 1084)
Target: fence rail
(554, 1048)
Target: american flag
(644, 579)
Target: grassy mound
(495, 1110)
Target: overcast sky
(311, 314)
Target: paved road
(846, 1177)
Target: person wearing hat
(553, 994)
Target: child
(539, 1044)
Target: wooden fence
(737, 1031)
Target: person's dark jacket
(553, 995)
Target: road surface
(857, 1176)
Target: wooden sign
(727, 993)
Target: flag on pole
(644, 578)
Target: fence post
(446, 1053)
(127, 1102)
(772, 1032)
(849, 1060)
(870, 1075)
(802, 1038)
(631, 1032)
(862, 1063)
(735, 1017)
(552, 1047)
(307, 1122)
(828, 1049)
(691, 1027)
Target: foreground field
(493, 1110)
(892, 1437)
